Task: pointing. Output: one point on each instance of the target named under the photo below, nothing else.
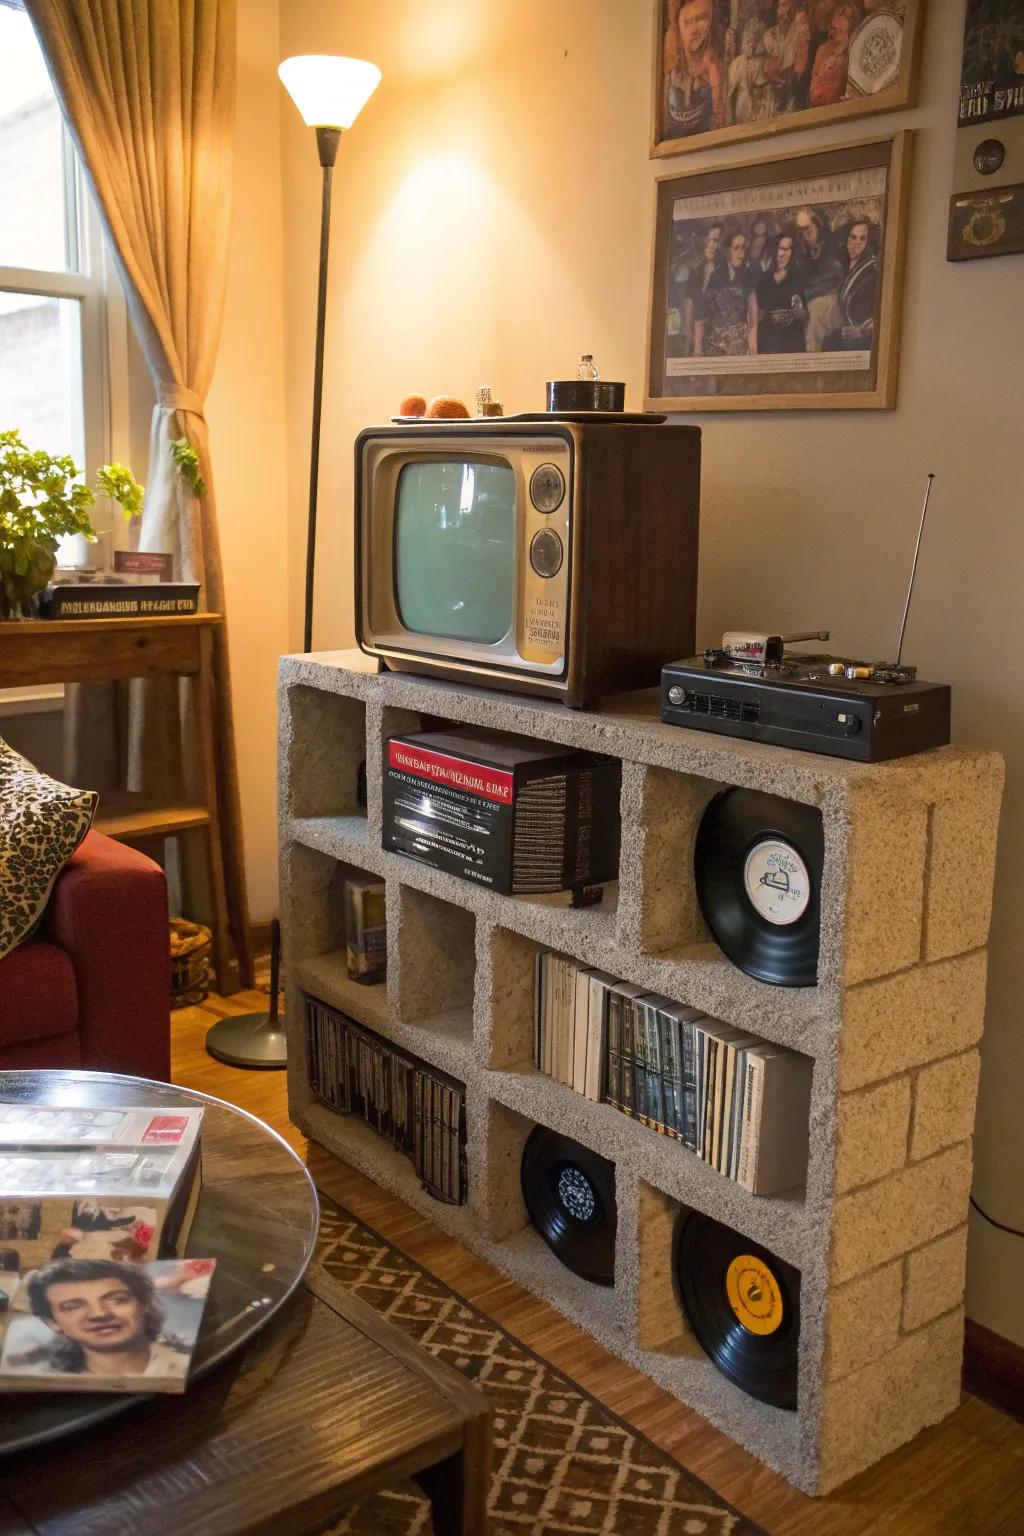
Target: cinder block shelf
(892, 1027)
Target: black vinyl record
(570, 1196)
(758, 862)
(743, 1305)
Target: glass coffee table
(327, 1405)
(257, 1216)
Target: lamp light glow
(330, 91)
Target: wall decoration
(986, 220)
(987, 223)
(729, 70)
(775, 284)
(992, 75)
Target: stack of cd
(418, 1109)
(758, 865)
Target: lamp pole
(327, 141)
(329, 92)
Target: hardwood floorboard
(964, 1477)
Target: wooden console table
(108, 650)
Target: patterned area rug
(564, 1465)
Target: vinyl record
(757, 863)
(743, 1305)
(570, 1195)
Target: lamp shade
(329, 91)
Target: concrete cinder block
(863, 1320)
(885, 893)
(658, 848)
(906, 1020)
(883, 1405)
(934, 1279)
(505, 997)
(871, 1133)
(944, 1100)
(431, 953)
(963, 830)
(880, 1221)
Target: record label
(577, 1193)
(777, 881)
(754, 1294)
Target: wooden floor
(965, 1477)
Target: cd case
(102, 1325)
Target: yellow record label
(754, 1294)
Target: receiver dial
(546, 553)
(547, 487)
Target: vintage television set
(545, 556)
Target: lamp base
(252, 1040)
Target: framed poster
(992, 74)
(730, 70)
(775, 284)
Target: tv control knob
(547, 487)
(677, 695)
(546, 553)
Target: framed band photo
(730, 70)
(775, 285)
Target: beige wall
(246, 413)
(493, 219)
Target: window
(63, 324)
(53, 384)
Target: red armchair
(92, 987)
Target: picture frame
(775, 284)
(728, 71)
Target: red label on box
(165, 1128)
(142, 562)
(476, 779)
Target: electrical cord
(1013, 1231)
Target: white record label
(777, 881)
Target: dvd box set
(89, 1183)
(522, 817)
(419, 1109)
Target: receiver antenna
(913, 568)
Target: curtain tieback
(176, 397)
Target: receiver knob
(546, 553)
(547, 487)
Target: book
(521, 817)
(124, 599)
(599, 985)
(776, 1142)
(620, 1042)
(581, 1025)
(105, 1326)
(76, 1182)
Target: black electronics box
(866, 721)
(521, 817)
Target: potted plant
(43, 498)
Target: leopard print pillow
(42, 822)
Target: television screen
(455, 542)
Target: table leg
(458, 1489)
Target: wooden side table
(108, 650)
(330, 1404)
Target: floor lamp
(330, 92)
